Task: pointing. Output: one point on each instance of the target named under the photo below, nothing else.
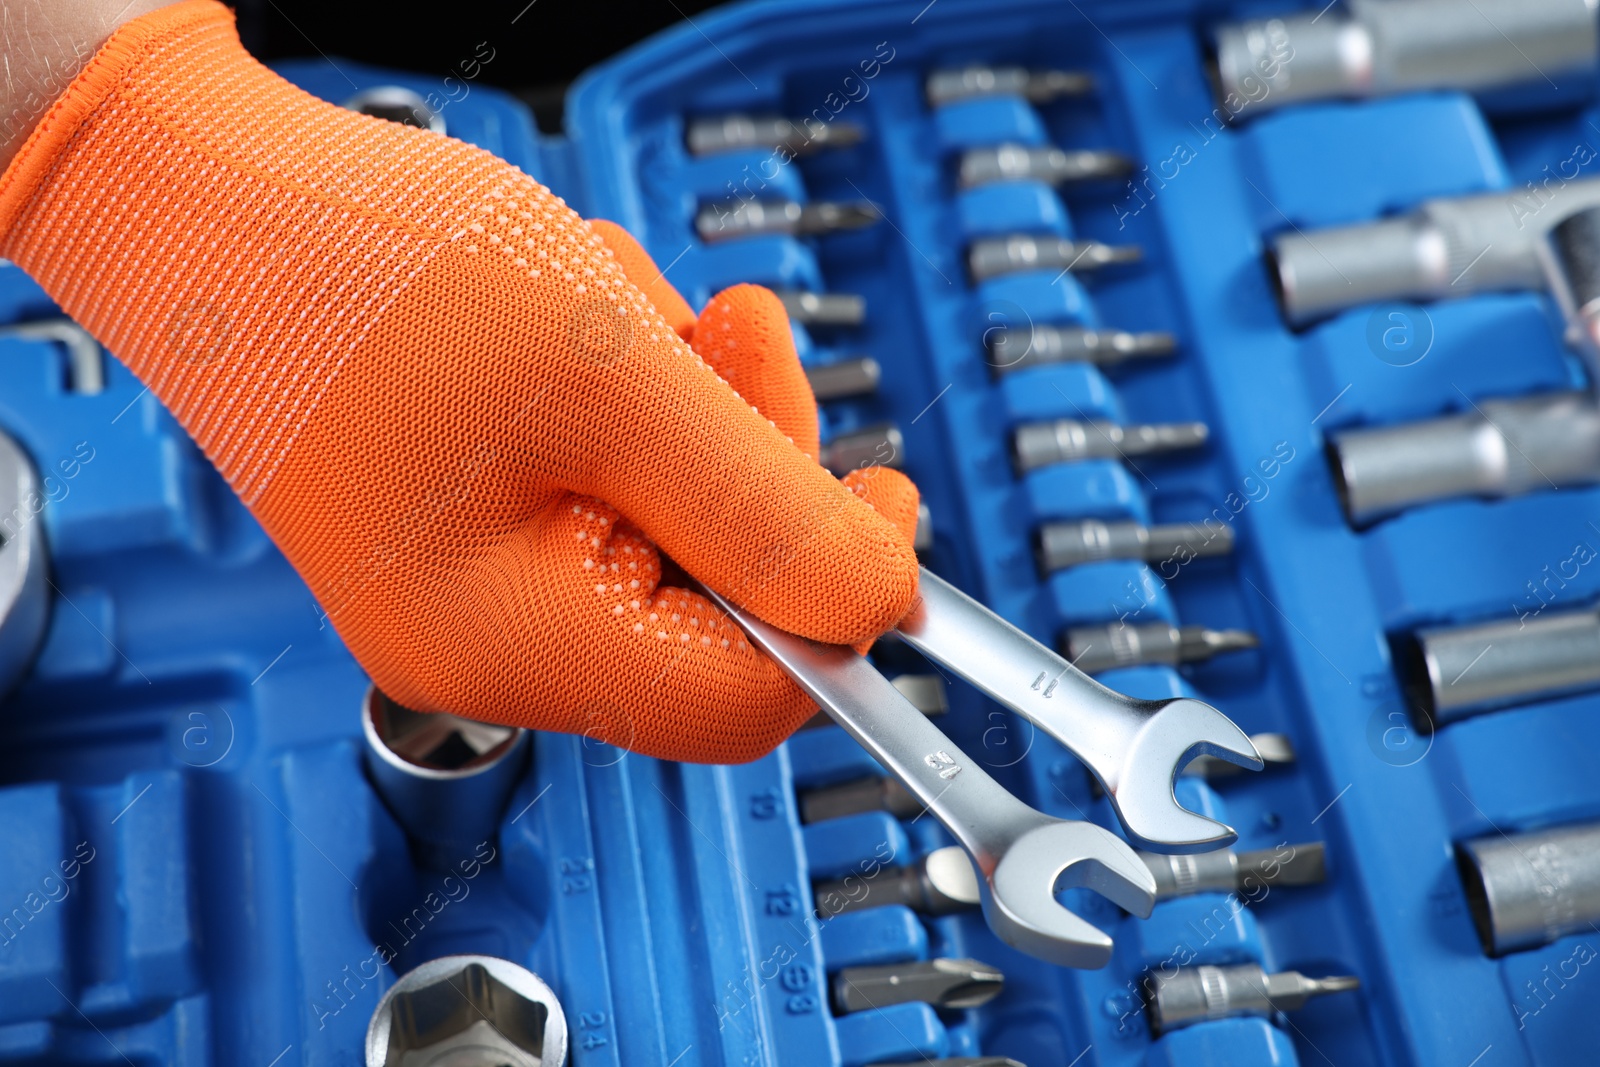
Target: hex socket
(1529, 889)
(460, 1010)
(1445, 248)
(1458, 671)
(446, 779)
(1501, 448)
(1379, 48)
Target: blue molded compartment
(187, 745)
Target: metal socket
(1452, 672)
(397, 104)
(24, 564)
(468, 1011)
(445, 778)
(1444, 249)
(1501, 448)
(1529, 889)
(1371, 48)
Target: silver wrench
(1023, 855)
(1135, 748)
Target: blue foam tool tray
(195, 869)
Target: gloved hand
(448, 404)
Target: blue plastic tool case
(194, 868)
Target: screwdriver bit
(1045, 163)
(1040, 343)
(1039, 86)
(844, 378)
(953, 984)
(756, 218)
(1365, 49)
(1275, 749)
(1499, 449)
(1227, 871)
(1038, 444)
(875, 446)
(823, 309)
(940, 883)
(1059, 545)
(992, 257)
(925, 692)
(727, 133)
(1094, 649)
(872, 793)
(1197, 994)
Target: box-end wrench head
(1022, 856)
(1134, 748)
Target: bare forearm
(43, 46)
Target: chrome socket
(445, 778)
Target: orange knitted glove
(442, 396)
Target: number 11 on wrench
(1134, 747)
(1023, 856)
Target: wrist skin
(45, 43)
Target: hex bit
(1453, 672)
(950, 984)
(1227, 871)
(757, 218)
(844, 378)
(940, 883)
(1445, 248)
(994, 257)
(797, 137)
(1276, 751)
(1499, 449)
(1038, 444)
(872, 793)
(1370, 48)
(1111, 646)
(1059, 545)
(1045, 163)
(1036, 344)
(823, 309)
(1198, 994)
(1528, 889)
(874, 446)
(922, 540)
(1039, 86)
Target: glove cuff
(123, 50)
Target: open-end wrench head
(1020, 899)
(1177, 732)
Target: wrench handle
(948, 783)
(1096, 723)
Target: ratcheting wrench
(1023, 855)
(1135, 748)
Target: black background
(550, 43)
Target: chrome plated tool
(1023, 856)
